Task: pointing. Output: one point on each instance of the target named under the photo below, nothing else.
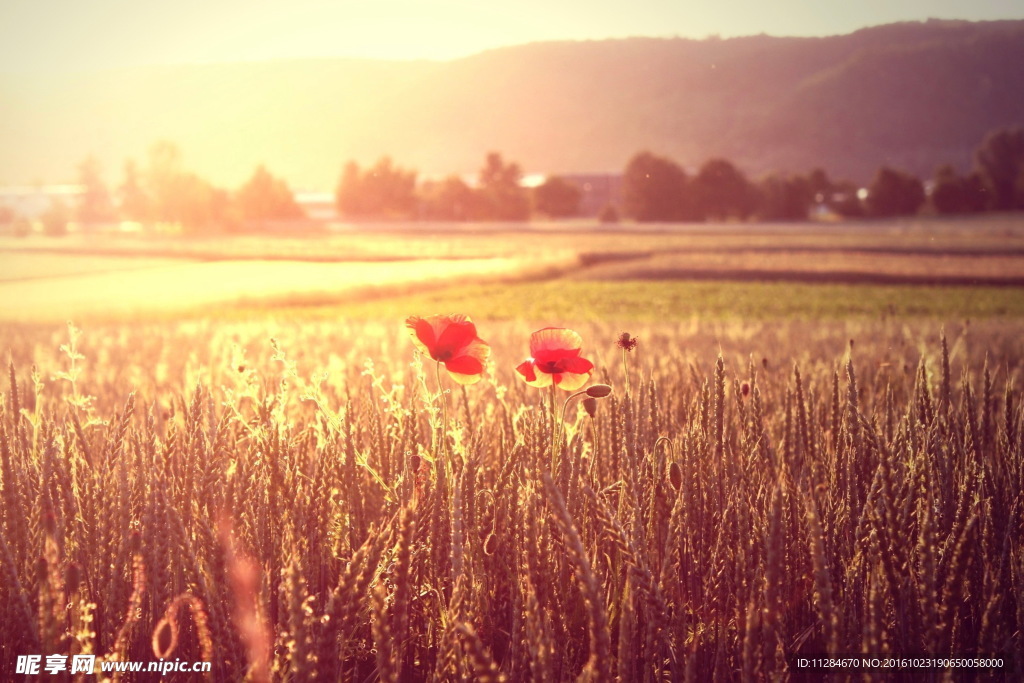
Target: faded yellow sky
(42, 35)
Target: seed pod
(745, 389)
(675, 476)
(590, 405)
(599, 391)
(491, 544)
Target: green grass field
(652, 301)
(942, 269)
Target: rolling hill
(911, 95)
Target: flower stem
(442, 463)
(559, 429)
(554, 426)
(625, 370)
(443, 427)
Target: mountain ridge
(912, 95)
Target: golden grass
(864, 496)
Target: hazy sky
(62, 34)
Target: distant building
(318, 206)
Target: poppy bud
(491, 544)
(414, 463)
(675, 476)
(599, 391)
(626, 342)
(745, 389)
(590, 405)
(764, 363)
(241, 368)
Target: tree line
(658, 189)
(654, 188)
(162, 191)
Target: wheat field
(311, 506)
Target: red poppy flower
(556, 360)
(452, 340)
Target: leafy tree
(655, 189)
(134, 202)
(162, 178)
(503, 198)
(721, 191)
(266, 198)
(894, 193)
(955, 194)
(383, 191)
(819, 185)
(94, 204)
(1000, 162)
(608, 214)
(196, 205)
(450, 199)
(349, 196)
(784, 198)
(557, 198)
(180, 197)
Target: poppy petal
(529, 372)
(571, 381)
(426, 332)
(465, 365)
(455, 337)
(575, 364)
(526, 370)
(551, 339)
(465, 370)
(478, 349)
(422, 334)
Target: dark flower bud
(599, 391)
(625, 342)
(675, 476)
(745, 389)
(590, 405)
